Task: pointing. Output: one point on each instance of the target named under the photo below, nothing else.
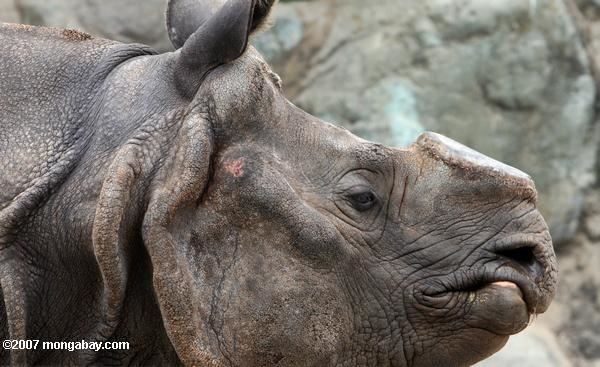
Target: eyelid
(355, 189)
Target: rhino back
(48, 81)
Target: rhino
(180, 203)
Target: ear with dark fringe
(184, 17)
(262, 9)
(209, 33)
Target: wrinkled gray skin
(181, 203)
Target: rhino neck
(50, 130)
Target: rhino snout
(488, 211)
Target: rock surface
(591, 221)
(126, 21)
(8, 11)
(578, 322)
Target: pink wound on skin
(235, 167)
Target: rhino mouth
(519, 270)
(505, 276)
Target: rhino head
(278, 239)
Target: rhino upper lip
(473, 282)
(517, 262)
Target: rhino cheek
(262, 285)
(261, 302)
(284, 311)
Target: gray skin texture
(179, 202)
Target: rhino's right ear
(209, 33)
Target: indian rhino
(180, 203)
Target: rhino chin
(476, 344)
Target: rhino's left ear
(210, 33)
(178, 177)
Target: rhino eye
(363, 200)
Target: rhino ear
(184, 17)
(210, 33)
(123, 193)
(182, 185)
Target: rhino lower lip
(508, 286)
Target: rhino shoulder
(49, 79)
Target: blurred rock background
(514, 79)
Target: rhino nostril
(525, 257)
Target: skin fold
(181, 203)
